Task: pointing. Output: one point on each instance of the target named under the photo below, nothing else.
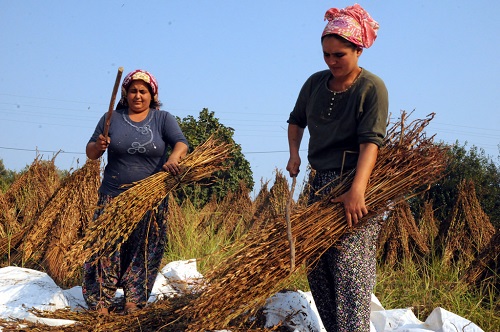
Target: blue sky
(244, 60)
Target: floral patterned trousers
(343, 279)
(133, 267)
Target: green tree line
(6, 177)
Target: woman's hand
(293, 166)
(354, 199)
(102, 143)
(95, 149)
(354, 206)
(172, 165)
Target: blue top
(137, 149)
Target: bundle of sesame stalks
(27, 196)
(60, 223)
(260, 265)
(68, 214)
(122, 215)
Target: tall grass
(429, 284)
(189, 238)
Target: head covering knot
(352, 23)
(142, 75)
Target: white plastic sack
(442, 320)
(175, 278)
(23, 289)
(295, 310)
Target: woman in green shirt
(345, 109)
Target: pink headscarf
(352, 23)
(142, 75)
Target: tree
(198, 131)
(472, 164)
(6, 177)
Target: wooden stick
(112, 102)
(291, 240)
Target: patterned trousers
(343, 279)
(133, 267)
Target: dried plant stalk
(231, 214)
(270, 204)
(31, 191)
(428, 225)
(470, 229)
(240, 286)
(399, 238)
(121, 216)
(77, 200)
(7, 217)
(486, 267)
(261, 206)
(279, 195)
(24, 201)
(306, 187)
(62, 207)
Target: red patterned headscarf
(142, 75)
(352, 23)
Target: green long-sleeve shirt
(359, 117)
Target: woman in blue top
(345, 109)
(138, 138)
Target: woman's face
(138, 96)
(340, 58)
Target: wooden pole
(112, 102)
(291, 240)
